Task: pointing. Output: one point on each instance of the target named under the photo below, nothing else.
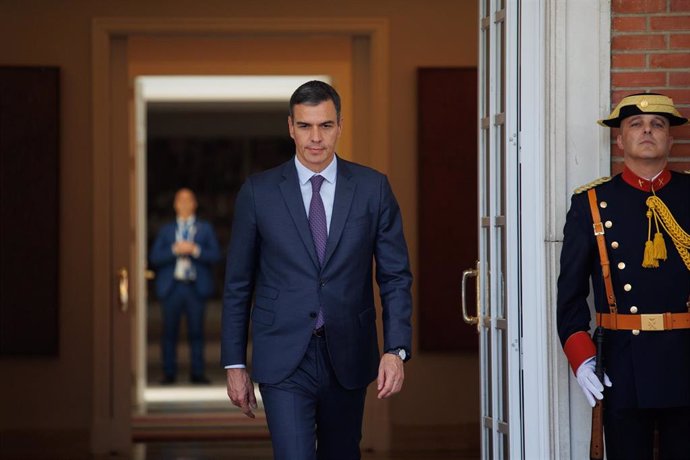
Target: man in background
(183, 255)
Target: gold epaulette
(594, 183)
(687, 171)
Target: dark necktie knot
(316, 183)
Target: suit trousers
(183, 300)
(310, 415)
(629, 433)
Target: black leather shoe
(168, 380)
(199, 379)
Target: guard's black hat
(641, 104)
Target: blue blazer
(272, 258)
(163, 259)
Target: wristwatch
(399, 352)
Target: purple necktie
(317, 225)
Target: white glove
(590, 384)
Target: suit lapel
(344, 191)
(290, 188)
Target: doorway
(125, 51)
(208, 134)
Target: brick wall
(650, 52)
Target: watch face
(403, 354)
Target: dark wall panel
(447, 100)
(29, 199)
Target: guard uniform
(647, 340)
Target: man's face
(315, 130)
(185, 203)
(645, 137)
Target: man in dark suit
(304, 239)
(183, 254)
(642, 218)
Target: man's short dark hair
(313, 93)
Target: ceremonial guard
(629, 235)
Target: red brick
(680, 166)
(680, 150)
(669, 61)
(681, 132)
(638, 42)
(616, 152)
(638, 6)
(680, 40)
(679, 78)
(679, 96)
(670, 23)
(622, 61)
(680, 5)
(633, 79)
(630, 24)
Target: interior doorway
(208, 134)
(350, 50)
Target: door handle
(123, 288)
(470, 272)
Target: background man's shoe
(168, 380)
(199, 379)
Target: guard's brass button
(603, 204)
(621, 265)
(636, 332)
(614, 244)
(633, 309)
(628, 287)
(644, 103)
(608, 224)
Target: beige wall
(55, 394)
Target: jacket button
(636, 332)
(608, 224)
(312, 314)
(627, 287)
(633, 309)
(322, 283)
(614, 245)
(621, 265)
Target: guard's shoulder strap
(603, 254)
(594, 183)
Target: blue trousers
(629, 433)
(310, 416)
(183, 300)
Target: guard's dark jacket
(652, 369)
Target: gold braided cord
(681, 239)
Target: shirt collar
(657, 183)
(190, 220)
(329, 173)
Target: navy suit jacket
(163, 259)
(272, 258)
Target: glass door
(498, 307)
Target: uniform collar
(656, 184)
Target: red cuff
(578, 349)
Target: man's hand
(589, 382)
(241, 390)
(184, 248)
(391, 375)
